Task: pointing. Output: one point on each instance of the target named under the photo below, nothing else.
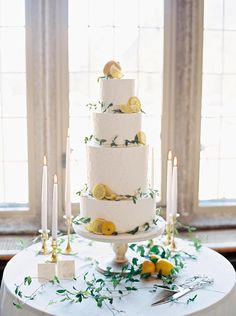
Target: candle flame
(169, 155)
(68, 132)
(44, 160)
(175, 161)
(55, 178)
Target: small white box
(66, 269)
(46, 271)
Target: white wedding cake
(118, 198)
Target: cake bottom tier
(125, 214)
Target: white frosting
(116, 91)
(124, 214)
(108, 125)
(123, 169)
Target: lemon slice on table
(164, 266)
(141, 137)
(108, 228)
(125, 108)
(134, 104)
(96, 225)
(107, 67)
(115, 72)
(99, 191)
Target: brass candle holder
(168, 234)
(53, 258)
(68, 250)
(44, 237)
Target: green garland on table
(103, 291)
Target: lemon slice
(89, 227)
(134, 104)
(112, 197)
(115, 72)
(108, 228)
(107, 67)
(125, 108)
(141, 138)
(96, 225)
(99, 191)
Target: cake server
(172, 297)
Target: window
(13, 109)
(218, 117)
(130, 32)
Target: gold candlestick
(44, 238)
(68, 249)
(173, 245)
(168, 233)
(53, 258)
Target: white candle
(168, 187)
(55, 208)
(67, 184)
(44, 197)
(153, 169)
(174, 188)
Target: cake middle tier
(122, 126)
(123, 169)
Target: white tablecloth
(217, 300)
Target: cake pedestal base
(120, 244)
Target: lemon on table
(107, 67)
(148, 267)
(141, 138)
(115, 72)
(164, 267)
(125, 108)
(96, 225)
(134, 104)
(99, 191)
(108, 228)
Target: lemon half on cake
(125, 108)
(99, 191)
(141, 138)
(134, 104)
(115, 72)
(110, 195)
(96, 225)
(107, 67)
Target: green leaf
(134, 231)
(18, 305)
(191, 299)
(135, 261)
(60, 291)
(27, 280)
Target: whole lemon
(164, 267)
(148, 267)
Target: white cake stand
(120, 244)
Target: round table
(216, 300)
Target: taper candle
(153, 169)
(55, 209)
(168, 187)
(174, 188)
(44, 197)
(67, 182)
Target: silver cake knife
(172, 297)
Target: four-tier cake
(118, 198)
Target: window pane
(13, 109)
(103, 30)
(218, 123)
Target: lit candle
(67, 184)
(55, 208)
(174, 188)
(153, 171)
(44, 197)
(168, 187)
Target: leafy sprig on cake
(99, 141)
(101, 106)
